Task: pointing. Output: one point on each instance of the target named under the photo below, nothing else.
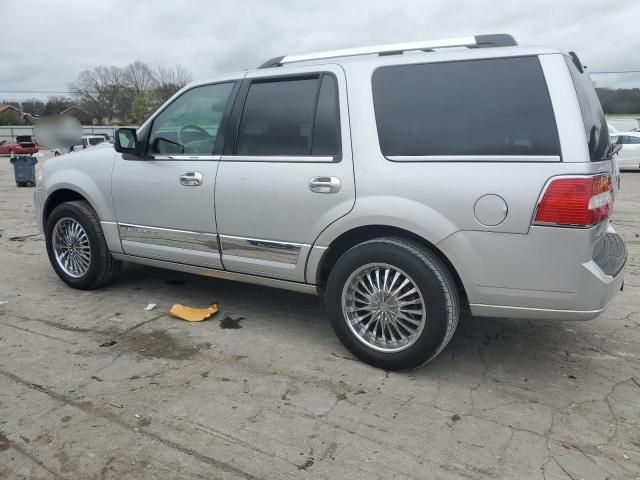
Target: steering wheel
(198, 129)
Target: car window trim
(474, 158)
(279, 158)
(222, 127)
(233, 128)
(186, 157)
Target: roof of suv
(479, 46)
(461, 48)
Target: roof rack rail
(477, 41)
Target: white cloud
(210, 37)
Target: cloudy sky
(44, 43)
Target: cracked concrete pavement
(93, 386)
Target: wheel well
(361, 234)
(59, 197)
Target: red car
(24, 144)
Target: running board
(222, 274)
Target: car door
(287, 172)
(164, 200)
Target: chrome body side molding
(269, 250)
(204, 242)
(225, 275)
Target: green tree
(143, 106)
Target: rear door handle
(324, 184)
(191, 179)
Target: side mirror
(126, 141)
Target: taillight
(576, 201)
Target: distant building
(10, 115)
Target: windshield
(595, 125)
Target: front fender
(88, 174)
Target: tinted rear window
(595, 124)
(477, 107)
(326, 128)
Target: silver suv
(403, 182)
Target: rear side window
(595, 124)
(477, 107)
(326, 128)
(290, 117)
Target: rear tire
(383, 323)
(77, 248)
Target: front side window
(630, 140)
(497, 107)
(290, 117)
(189, 125)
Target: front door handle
(191, 179)
(324, 184)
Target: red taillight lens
(576, 202)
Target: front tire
(393, 303)
(77, 248)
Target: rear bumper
(550, 273)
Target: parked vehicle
(629, 155)
(88, 141)
(106, 136)
(401, 187)
(22, 145)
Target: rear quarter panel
(435, 199)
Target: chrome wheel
(383, 307)
(71, 247)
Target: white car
(89, 141)
(629, 156)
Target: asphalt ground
(93, 386)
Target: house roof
(4, 107)
(73, 108)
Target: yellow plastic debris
(191, 314)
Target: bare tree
(130, 93)
(140, 76)
(104, 92)
(169, 80)
(56, 104)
